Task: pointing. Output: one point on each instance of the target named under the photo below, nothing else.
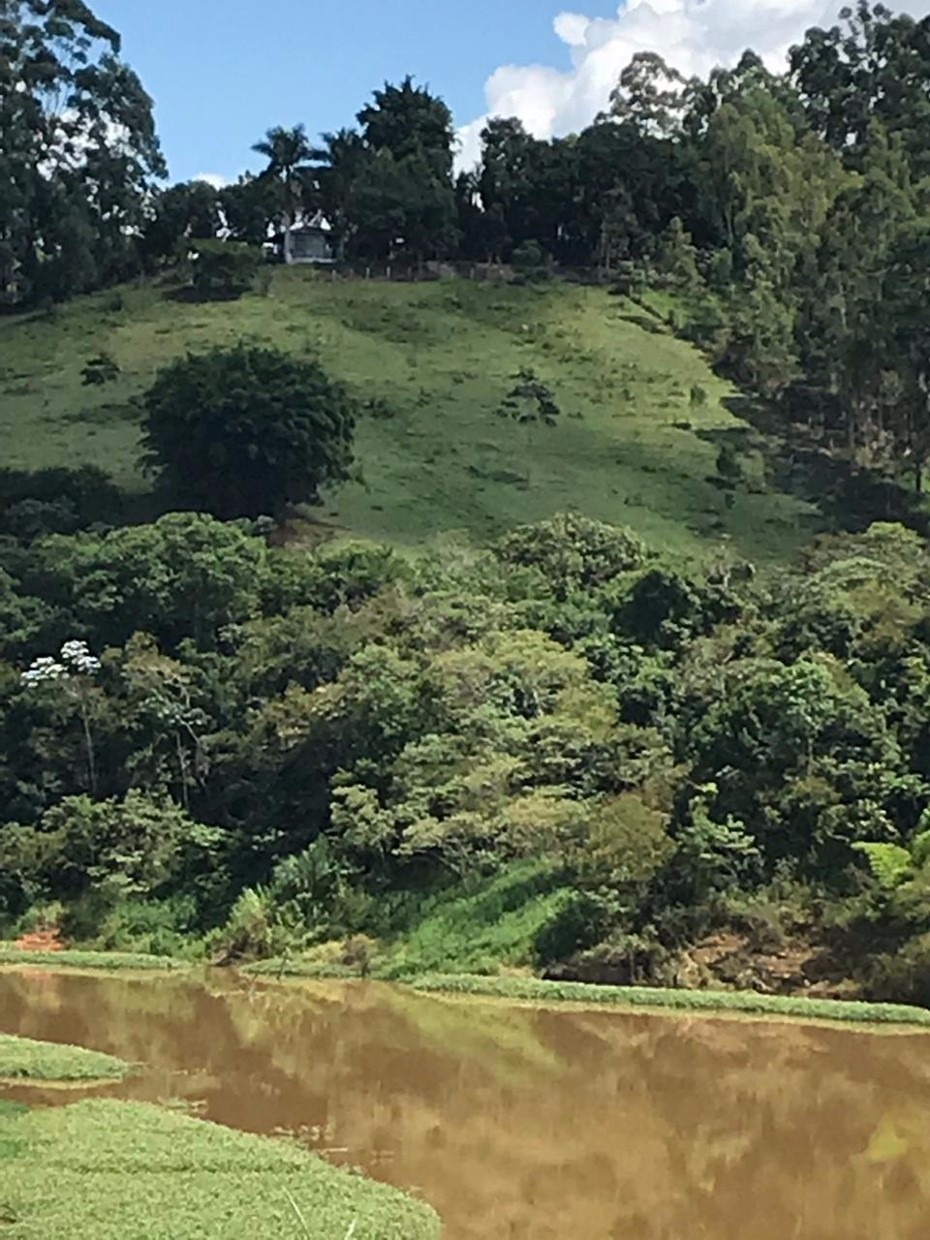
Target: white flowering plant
(74, 669)
(75, 659)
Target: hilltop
(644, 416)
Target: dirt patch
(797, 967)
(40, 941)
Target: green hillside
(632, 448)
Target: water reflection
(516, 1123)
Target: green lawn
(630, 448)
(21, 1059)
(104, 1170)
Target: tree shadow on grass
(37, 503)
(187, 295)
(807, 465)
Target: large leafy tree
(249, 209)
(186, 212)
(844, 329)
(78, 151)
(403, 193)
(246, 431)
(504, 183)
(408, 120)
(905, 309)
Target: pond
(531, 1124)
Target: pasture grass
(111, 962)
(438, 359)
(534, 990)
(22, 1059)
(106, 1170)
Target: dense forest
(210, 742)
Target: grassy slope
(119, 1170)
(443, 355)
(25, 1060)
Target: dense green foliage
(245, 431)
(102, 1169)
(562, 752)
(224, 269)
(24, 1059)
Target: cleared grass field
(632, 447)
(104, 1170)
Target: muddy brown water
(529, 1124)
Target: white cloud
(692, 35)
(216, 179)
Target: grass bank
(115, 1170)
(533, 990)
(21, 1059)
(110, 962)
(319, 970)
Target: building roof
(315, 223)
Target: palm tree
(288, 152)
(343, 159)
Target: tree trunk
(89, 745)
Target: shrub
(902, 977)
(573, 552)
(99, 370)
(224, 270)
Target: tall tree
(249, 208)
(289, 154)
(843, 332)
(650, 95)
(78, 151)
(189, 211)
(906, 309)
(405, 197)
(408, 120)
(875, 65)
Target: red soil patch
(40, 941)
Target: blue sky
(222, 71)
